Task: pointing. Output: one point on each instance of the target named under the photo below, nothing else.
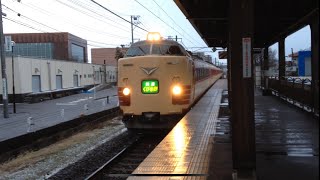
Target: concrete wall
(111, 74)
(48, 69)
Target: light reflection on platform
(186, 149)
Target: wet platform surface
(185, 151)
(49, 113)
(286, 142)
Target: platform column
(241, 15)
(282, 59)
(265, 65)
(315, 60)
(229, 76)
(265, 70)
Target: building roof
(273, 19)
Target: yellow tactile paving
(186, 149)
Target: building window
(77, 53)
(35, 50)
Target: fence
(297, 90)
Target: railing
(296, 90)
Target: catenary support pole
(3, 69)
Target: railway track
(128, 159)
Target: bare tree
(119, 54)
(273, 57)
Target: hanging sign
(246, 57)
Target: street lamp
(13, 88)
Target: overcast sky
(100, 28)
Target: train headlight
(153, 36)
(176, 90)
(126, 91)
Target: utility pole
(13, 87)
(134, 21)
(131, 30)
(3, 69)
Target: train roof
(162, 41)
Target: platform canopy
(273, 19)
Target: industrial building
(60, 45)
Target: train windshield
(155, 49)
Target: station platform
(186, 150)
(51, 112)
(199, 146)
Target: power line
(117, 15)
(94, 12)
(20, 15)
(162, 20)
(173, 20)
(86, 6)
(34, 7)
(31, 27)
(89, 8)
(21, 23)
(83, 12)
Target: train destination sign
(150, 87)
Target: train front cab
(155, 100)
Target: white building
(40, 76)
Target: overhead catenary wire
(86, 11)
(87, 6)
(174, 21)
(161, 20)
(20, 15)
(118, 15)
(38, 9)
(86, 28)
(31, 27)
(83, 12)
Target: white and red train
(158, 81)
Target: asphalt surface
(51, 112)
